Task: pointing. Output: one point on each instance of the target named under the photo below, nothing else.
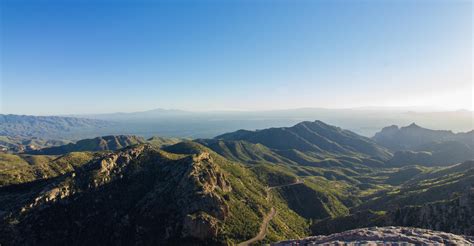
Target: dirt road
(268, 217)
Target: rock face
(136, 196)
(384, 235)
(456, 216)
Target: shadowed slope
(316, 137)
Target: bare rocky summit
(390, 235)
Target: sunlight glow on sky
(65, 57)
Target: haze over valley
(191, 124)
(236, 122)
(308, 179)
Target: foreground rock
(384, 235)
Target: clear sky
(60, 57)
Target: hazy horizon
(236, 122)
(97, 57)
(416, 109)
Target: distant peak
(317, 122)
(413, 125)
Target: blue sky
(61, 57)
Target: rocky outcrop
(97, 173)
(207, 174)
(456, 216)
(203, 216)
(200, 226)
(138, 196)
(384, 235)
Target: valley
(243, 188)
(236, 123)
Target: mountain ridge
(111, 142)
(411, 136)
(314, 136)
(414, 144)
(201, 198)
(215, 191)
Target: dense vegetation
(319, 178)
(17, 169)
(22, 144)
(94, 144)
(316, 137)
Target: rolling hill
(22, 144)
(291, 181)
(94, 144)
(141, 194)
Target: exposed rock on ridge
(139, 195)
(384, 235)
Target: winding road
(267, 218)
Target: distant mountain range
(417, 145)
(208, 124)
(364, 121)
(313, 143)
(290, 182)
(50, 127)
(413, 136)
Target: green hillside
(94, 144)
(22, 144)
(16, 169)
(316, 137)
(202, 198)
(310, 178)
(161, 141)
